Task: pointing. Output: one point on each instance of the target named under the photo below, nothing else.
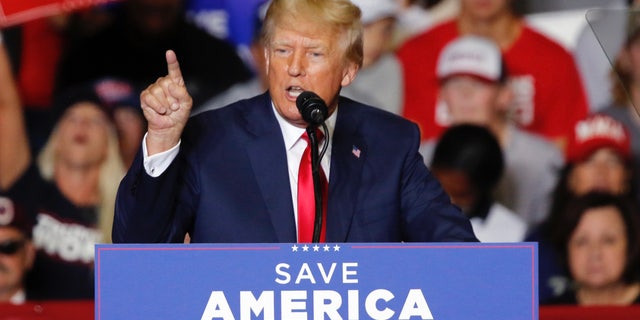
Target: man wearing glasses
(16, 251)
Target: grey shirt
(379, 85)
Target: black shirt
(64, 236)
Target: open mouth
(294, 91)
(80, 139)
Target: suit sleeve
(428, 213)
(147, 208)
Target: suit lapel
(269, 165)
(349, 152)
(268, 157)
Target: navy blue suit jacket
(230, 183)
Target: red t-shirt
(548, 93)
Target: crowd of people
(115, 121)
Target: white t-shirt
(500, 225)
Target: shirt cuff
(156, 164)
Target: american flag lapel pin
(355, 151)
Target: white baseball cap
(470, 55)
(373, 10)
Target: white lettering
(346, 272)
(293, 305)
(308, 273)
(524, 91)
(353, 304)
(264, 303)
(217, 307)
(279, 271)
(327, 277)
(326, 302)
(415, 305)
(599, 126)
(371, 307)
(305, 274)
(69, 241)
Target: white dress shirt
(156, 164)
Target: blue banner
(232, 20)
(323, 281)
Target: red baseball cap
(595, 132)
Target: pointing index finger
(173, 68)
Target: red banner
(589, 312)
(48, 310)
(18, 11)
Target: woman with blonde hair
(70, 186)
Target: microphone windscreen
(312, 108)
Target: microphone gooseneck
(314, 111)
(315, 170)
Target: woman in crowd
(598, 237)
(71, 186)
(598, 158)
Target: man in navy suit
(230, 175)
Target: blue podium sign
(323, 281)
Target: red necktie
(306, 197)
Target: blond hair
(111, 172)
(340, 15)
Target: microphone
(314, 111)
(312, 108)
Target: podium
(317, 281)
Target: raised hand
(166, 105)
